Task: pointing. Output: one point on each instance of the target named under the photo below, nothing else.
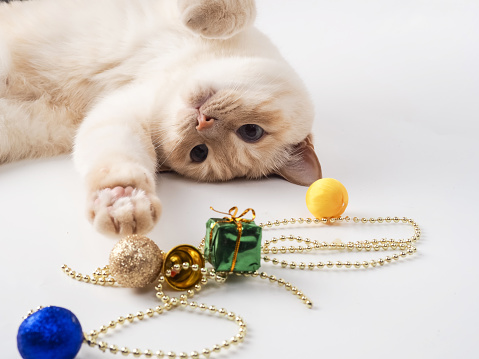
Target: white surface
(396, 89)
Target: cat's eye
(199, 153)
(250, 132)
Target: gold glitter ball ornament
(135, 261)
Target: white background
(395, 85)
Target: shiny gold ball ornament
(185, 257)
(327, 198)
(135, 261)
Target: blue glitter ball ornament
(50, 333)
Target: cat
(144, 86)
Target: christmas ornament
(182, 265)
(51, 332)
(135, 261)
(233, 246)
(327, 198)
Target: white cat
(141, 86)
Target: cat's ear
(304, 167)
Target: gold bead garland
(103, 276)
(92, 338)
(405, 245)
(282, 283)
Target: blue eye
(250, 133)
(199, 153)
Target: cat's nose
(204, 122)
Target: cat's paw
(124, 211)
(217, 19)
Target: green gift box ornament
(233, 244)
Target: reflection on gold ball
(135, 261)
(327, 198)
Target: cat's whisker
(238, 97)
(158, 136)
(158, 144)
(241, 90)
(169, 154)
(158, 131)
(159, 141)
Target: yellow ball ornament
(327, 198)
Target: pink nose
(204, 122)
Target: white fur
(121, 68)
(5, 62)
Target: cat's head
(241, 118)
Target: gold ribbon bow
(237, 220)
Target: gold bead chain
(282, 283)
(405, 246)
(92, 338)
(102, 276)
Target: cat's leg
(32, 129)
(5, 64)
(217, 19)
(115, 154)
(30, 125)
